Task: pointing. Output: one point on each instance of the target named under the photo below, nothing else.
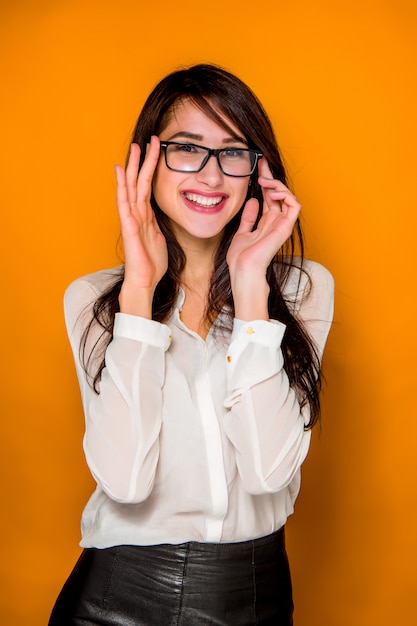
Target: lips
(204, 202)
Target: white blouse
(191, 439)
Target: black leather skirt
(191, 584)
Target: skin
(198, 231)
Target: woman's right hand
(145, 248)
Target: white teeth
(203, 200)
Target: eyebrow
(187, 135)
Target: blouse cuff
(258, 331)
(254, 355)
(142, 329)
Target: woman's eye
(234, 153)
(185, 148)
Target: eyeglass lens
(190, 158)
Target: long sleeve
(264, 422)
(123, 421)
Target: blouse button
(249, 330)
(229, 358)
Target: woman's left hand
(251, 251)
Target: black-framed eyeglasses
(189, 157)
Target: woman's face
(200, 204)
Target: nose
(211, 173)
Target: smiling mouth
(203, 201)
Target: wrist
(250, 297)
(135, 300)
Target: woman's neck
(195, 281)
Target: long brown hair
(215, 91)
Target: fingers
(145, 176)
(132, 172)
(264, 169)
(136, 185)
(249, 216)
(277, 197)
(122, 200)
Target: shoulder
(319, 275)
(309, 293)
(95, 283)
(81, 294)
(319, 296)
(305, 276)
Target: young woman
(199, 367)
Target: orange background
(340, 84)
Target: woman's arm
(123, 421)
(265, 422)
